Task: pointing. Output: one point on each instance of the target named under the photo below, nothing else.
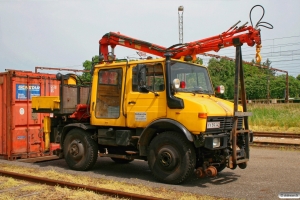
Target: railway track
(276, 139)
(277, 135)
(272, 139)
(51, 182)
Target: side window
(109, 93)
(154, 78)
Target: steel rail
(276, 143)
(276, 135)
(51, 182)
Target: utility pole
(180, 23)
(268, 87)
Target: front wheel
(171, 157)
(80, 150)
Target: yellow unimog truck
(161, 110)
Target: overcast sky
(65, 33)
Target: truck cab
(163, 111)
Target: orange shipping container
(21, 131)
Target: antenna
(180, 23)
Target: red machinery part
(200, 173)
(211, 171)
(234, 36)
(246, 34)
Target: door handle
(93, 104)
(131, 102)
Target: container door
(3, 122)
(27, 134)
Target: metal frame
(239, 79)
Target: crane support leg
(239, 138)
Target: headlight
(216, 142)
(176, 83)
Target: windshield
(192, 78)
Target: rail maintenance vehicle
(162, 110)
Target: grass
(65, 193)
(8, 183)
(275, 117)
(16, 189)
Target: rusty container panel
(73, 95)
(21, 132)
(70, 93)
(84, 94)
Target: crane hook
(258, 56)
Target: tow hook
(210, 171)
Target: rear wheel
(171, 157)
(80, 151)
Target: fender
(68, 127)
(159, 126)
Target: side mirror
(141, 76)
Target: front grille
(225, 123)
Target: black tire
(171, 157)
(80, 150)
(121, 160)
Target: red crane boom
(245, 34)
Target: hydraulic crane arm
(248, 35)
(113, 39)
(242, 34)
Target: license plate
(213, 125)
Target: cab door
(107, 99)
(147, 104)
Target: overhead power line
(264, 47)
(284, 37)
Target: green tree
(277, 87)
(87, 65)
(256, 79)
(199, 61)
(294, 87)
(222, 73)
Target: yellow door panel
(142, 109)
(144, 105)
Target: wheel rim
(168, 158)
(165, 159)
(212, 171)
(76, 149)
